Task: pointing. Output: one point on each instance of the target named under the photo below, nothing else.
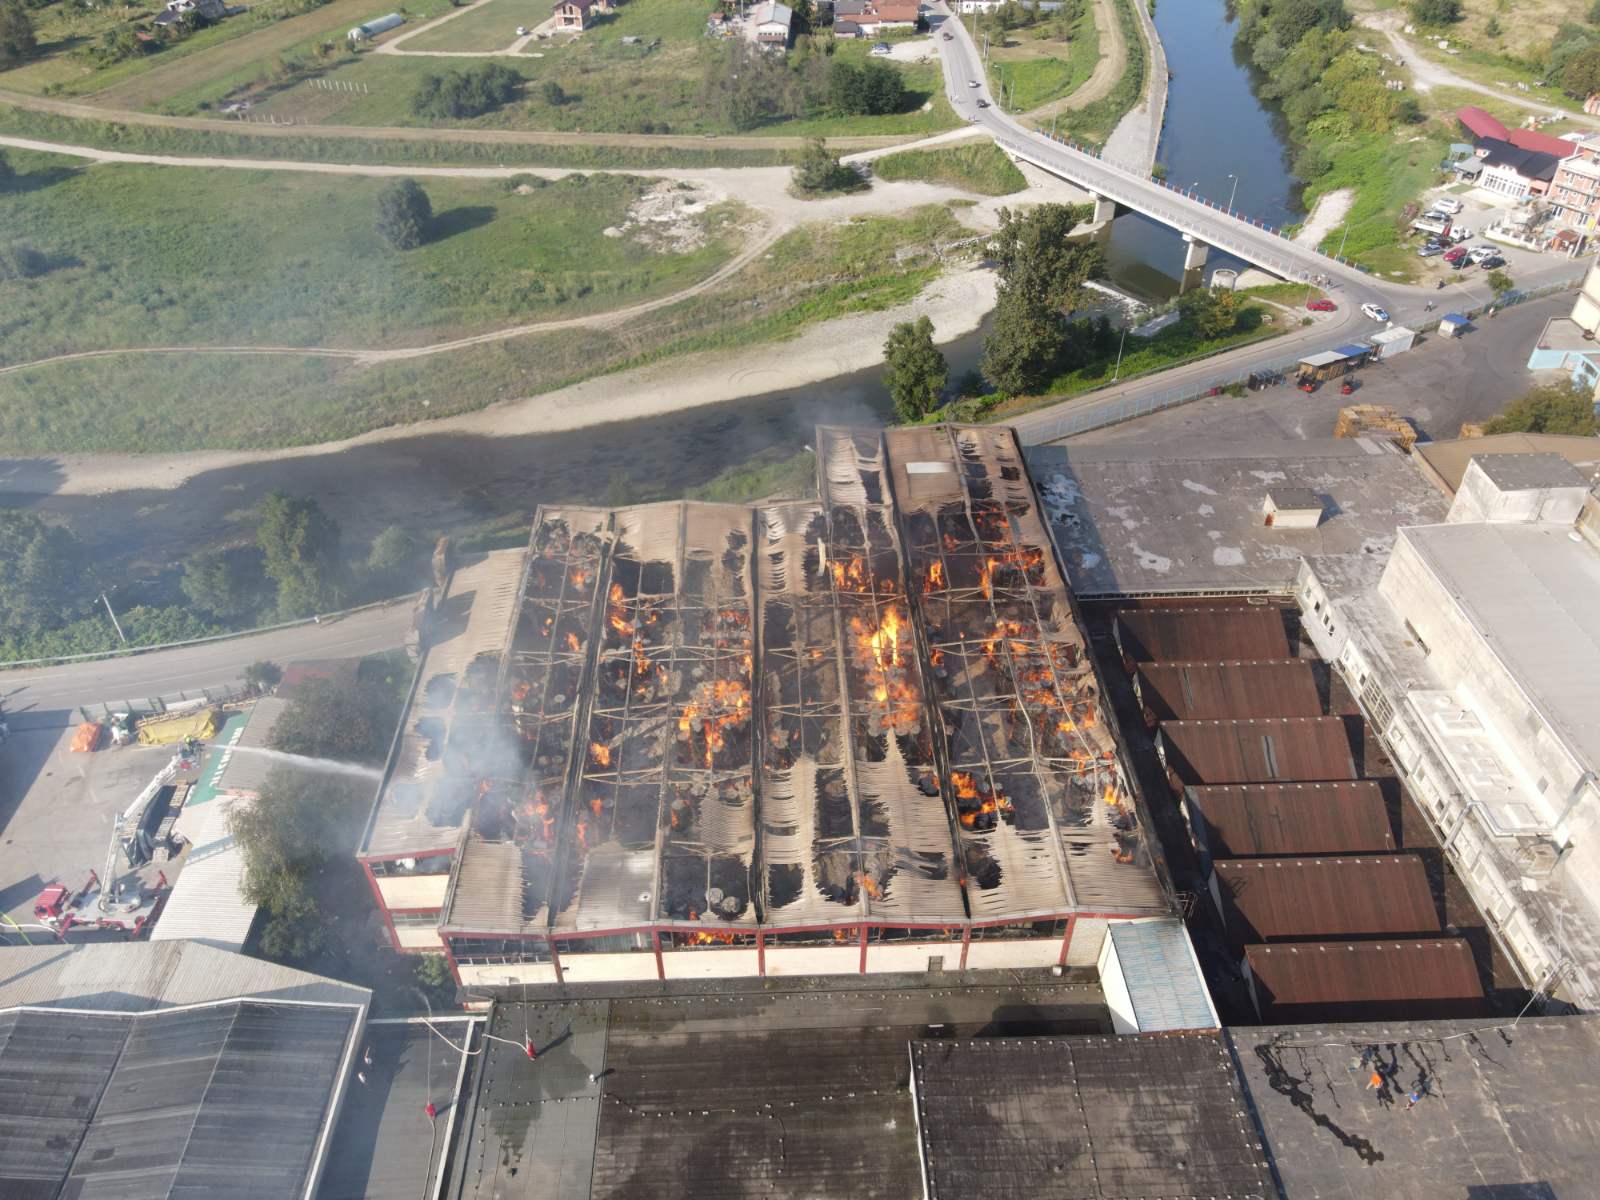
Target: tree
(346, 720)
(1563, 408)
(289, 831)
(17, 40)
(404, 214)
(393, 554)
(1024, 344)
(869, 88)
(1594, 13)
(1492, 28)
(228, 584)
(1034, 257)
(1501, 283)
(21, 261)
(262, 676)
(43, 573)
(553, 94)
(301, 546)
(1436, 12)
(1581, 76)
(1210, 312)
(820, 171)
(914, 370)
(435, 981)
(458, 94)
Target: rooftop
(1300, 899)
(1258, 750)
(1355, 981)
(1529, 472)
(1284, 687)
(1509, 1113)
(1265, 819)
(1529, 590)
(245, 772)
(1084, 1117)
(1132, 522)
(1448, 460)
(1202, 635)
(1563, 333)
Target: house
(774, 25)
(204, 11)
(1509, 170)
(579, 14)
(883, 15)
(1545, 143)
(1575, 189)
(1480, 124)
(846, 28)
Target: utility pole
(1117, 374)
(106, 600)
(1342, 236)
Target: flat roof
(1284, 687)
(1530, 592)
(1134, 521)
(1511, 1113)
(207, 904)
(1264, 819)
(1448, 459)
(1302, 899)
(1257, 750)
(1361, 981)
(229, 1099)
(1236, 633)
(1122, 1117)
(246, 772)
(1530, 472)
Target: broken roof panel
(1284, 687)
(1365, 981)
(1241, 633)
(1301, 899)
(1259, 750)
(1265, 819)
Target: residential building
(1575, 189)
(774, 24)
(1509, 170)
(1474, 658)
(1568, 343)
(882, 16)
(579, 14)
(1480, 124)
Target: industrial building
(1255, 820)
(857, 734)
(1474, 657)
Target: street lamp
(1232, 191)
(1342, 236)
(1117, 373)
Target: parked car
(522, 31)
(1374, 312)
(1492, 261)
(1463, 264)
(1436, 223)
(1430, 250)
(1479, 253)
(1460, 233)
(1321, 305)
(1455, 255)
(880, 50)
(1447, 204)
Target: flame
(579, 577)
(572, 643)
(990, 805)
(600, 754)
(850, 576)
(596, 805)
(869, 885)
(704, 937)
(583, 830)
(841, 935)
(878, 650)
(519, 693)
(616, 614)
(935, 577)
(966, 785)
(717, 705)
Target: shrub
(404, 214)
(459, 94)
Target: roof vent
(1292, 508)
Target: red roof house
(1544, 143)
(1480, 124)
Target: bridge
(1203, 224)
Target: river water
(437, 483)
(1216, 130)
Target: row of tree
(459, 94)
(745, 87)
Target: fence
(1115, 410)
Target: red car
(1321, 305)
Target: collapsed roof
(877, 705)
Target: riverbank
(956, 303)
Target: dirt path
(517, 46)
(1325, 217)
(80, 110)
(1113, 59)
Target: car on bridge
(1322, 305)
(1375, 312)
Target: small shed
(371, 29)
(1453, 325)
(1330, 364)
(1397, 339)
(1292, 508)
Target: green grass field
(127, 404)
(1037, 70)
(1094, 122)
(977, 166)
(1386, 171)
(223, 257)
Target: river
(1216, 131)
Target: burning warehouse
(853, 734)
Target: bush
(1562, 408)
(404, 214)
(1435, 12)
(819, 172)
(435, 981)
(872, 88)
(17, 41)
(553, 94)
(461, 94)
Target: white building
(1475, 658)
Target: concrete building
(1575, 188)
(774, 25)
(1474, 658)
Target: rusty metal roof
(1257, 750)
(1265, 819)
(1299, 982)
(1230, 633)
(1283, 687)
(1295, 899)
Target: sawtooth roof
(1264, 819)
(1300, 899)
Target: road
(192, 668)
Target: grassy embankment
(654, 86)
(1042, 62)
(125, 403)
(980, 167)
(305, 266)
(1094, 122)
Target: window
(478, 951)
(415, 920)
(438, 864)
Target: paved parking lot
(1439, 384)
(1480, 209)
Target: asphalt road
(43, 696)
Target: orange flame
(572, 643)
(935, 578)
(869, 885)
(600, 754)
(717, 705)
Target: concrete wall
(411, 938)
(1088, 937)
(1115, 989)
(816, 960)
(1479, 499)
(731, 963)
(413, 891)
(498, 974)
(1586, 310)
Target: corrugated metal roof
(1365, 981)
(1162, 975)
(1265, 819)
(1261, 750)
(1085, 1118)
(205, 904)
(136, 976)
(245, 772)
(1297, 899)
(1283, 687)
(1243, 632)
